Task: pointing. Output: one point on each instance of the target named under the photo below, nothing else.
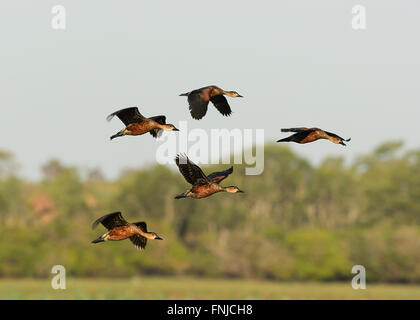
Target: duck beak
(175, 129)
(158, 238)
(241, 191)
(239, 96)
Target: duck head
(233, 189)
(233, 94)
(155, 236)
(170, 127)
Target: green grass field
(187, 288)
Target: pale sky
(297, 63)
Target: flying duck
(136, 124)
(199, 99)
(120, 229)
(306, 135)
(202, 186)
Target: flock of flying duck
(202, 186)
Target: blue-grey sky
(297, 63)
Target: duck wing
(142, 225)
(191, 172)
(221, 104)
(128, 115)
(139, 241)
(111, 221)
(296, 137)
(217, 177)
(302, 135)
(157, 132)
(159, 119)
(301, 129)
(198, 101)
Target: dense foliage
(295, 222)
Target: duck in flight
(120, 229)
(199, 99)
(136, 124)
(202, 186)
(306, 135)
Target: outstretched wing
(191, 172)
(157, 132)
(221, 104)
(139, 241)
(111, 221)
(295, 129)
(159, 119)
(300, 135)
(217, 177)
(198, 101)
(127, 115)
(142, 225)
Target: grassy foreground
(187, 288)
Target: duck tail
(119, 134)
(184, 94)
(180, 196)
(100, 239)
(284, 140)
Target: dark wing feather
(191, 172)
(217, 177)
(198, 101)
(142, 225)
(221, 104)
(139, 241)
(127, 115)
(296, 137)
(300, 135)
(294, 129)
(161, 120)
(111, 221)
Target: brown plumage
(202, 185)
(306, 135)
(199, 99)
(136, 124)
(120, 229)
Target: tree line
(296, 221)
